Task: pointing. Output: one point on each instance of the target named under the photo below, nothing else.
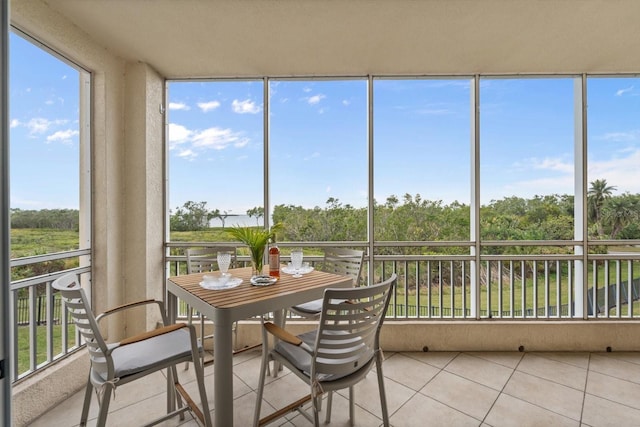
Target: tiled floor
(423, 389)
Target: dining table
(226, 306)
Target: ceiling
(254, 38)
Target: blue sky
(318, 138)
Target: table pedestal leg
(223, 374)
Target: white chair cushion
(302, 359)
(311, 307)
(314, 307)
(143, 355)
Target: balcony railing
(430, 287)
(529, 287)
(41, 333)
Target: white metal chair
(342, 261)
(202, 261)
(337, 355)
(116, 364)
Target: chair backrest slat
(349, 328)
(206, 259)
(77, 305)
(343, 261)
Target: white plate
(219, 285)
(290, 270)
(263, 280)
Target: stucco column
(143, 184)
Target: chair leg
(87, 402)
(202, 333)
(173, 397)
(352, 412)
(104, 406)
(199, 368)
(329, 403)
(189, 322)
(315, 405)
(383, 396)
(264, 366)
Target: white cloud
(49, 102)
(189, 143)
(313, 100)
(179, 106)
(346, 102)
(621, 92)
(178, 134)
(630, 136)
(15, 123)
(187, 154)
(64, 77)
(313, 155)
(208, 106)
(621, 172)
(40, 125)
(553, 164)
(245, 107)
(218, 138)
(63, 136)
(540, 186)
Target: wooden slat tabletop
(246, 292)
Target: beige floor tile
(422, 411)
(143, 412)
(600, 412)
(439, 359)
(67, 413)
(509, 359)
(552, 370)
(615, 367)
(546, 394)
(614, 389)
(249, 372)
(627, 356)
(368, 397)
(340, 414)
(579, 360)
(243, 410)
(143, 388)
(480, 370)
(536, 393)
(509, 411)
(462, 394)
(407, 371)
(285, 390)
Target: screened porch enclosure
(490, 161)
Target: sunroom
(430, 134)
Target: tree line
(63, 219)
(412, 218)
(409, 218)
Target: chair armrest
(282, 334)
(132, 305)
(150, 334)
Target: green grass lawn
(24, 349)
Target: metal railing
(430, 287)
(40, 332)
(488, 286)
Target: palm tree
(620, 212)
(597, 194)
